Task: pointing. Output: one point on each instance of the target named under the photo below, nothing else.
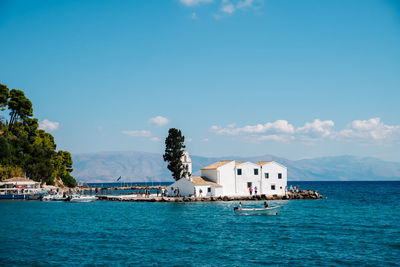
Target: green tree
(25, 149)
(174, 147)
(4, 95)
(20, 107)
(5, 150)
(68, 180)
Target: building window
(249, 185)
(209, 190)
(272, 187)
(266, 175)
(239, 171)
(255, 171)
(281, 187)
(279, 175)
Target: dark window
(209, 190)
(279, 175)
(248, 185)
(266, 175)
(273, 187)
(239, 171)
(255, 171)
(281, 187)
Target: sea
(356, 224)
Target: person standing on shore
(255, 190)
(194, 191)
(158, 191)
(251, 190)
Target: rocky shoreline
(303, 194)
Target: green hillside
(24, 148)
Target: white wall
(210, 174)
(185, 187)
(205, 192)
(233, 184)
(226, 178)
(217, 191)
(246, 177)
(273, 169)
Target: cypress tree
(174, 147)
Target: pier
(303, 194)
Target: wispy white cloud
(274, 137)
(226, 7)
(155, 139)
(48, 125)
(137, 133)
(372, 131)
(245, 3)
(188, 140)
(204, 140)
(194, 2)
(159, 121)
(279, 126)
(316, 129)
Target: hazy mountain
(142, 166)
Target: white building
(18, 185)
(187, 163)
(234, 178)
(195, 186)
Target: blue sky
(296, 79)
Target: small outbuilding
(195, 186)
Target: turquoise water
(358, 224)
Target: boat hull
(34, 196)
(82, 199)
(12, 196)
(267, 211)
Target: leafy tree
(68, 180)
(174, 147)
(20, 107)
(27, 150)
(4, 95)
(10, 171)
(5, 149)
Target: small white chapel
(232, 178)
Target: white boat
(81, 198)
(57, 197)
(262, 211)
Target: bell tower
(187, 164)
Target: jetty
(302, 194)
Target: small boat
(81, 198)
(57, 197)
(262, 211)
(35, 196)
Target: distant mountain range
(146, 167)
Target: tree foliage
(20, 107)
(25, 149)
(4, 95)
(174, 147)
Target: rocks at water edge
(303, 194)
